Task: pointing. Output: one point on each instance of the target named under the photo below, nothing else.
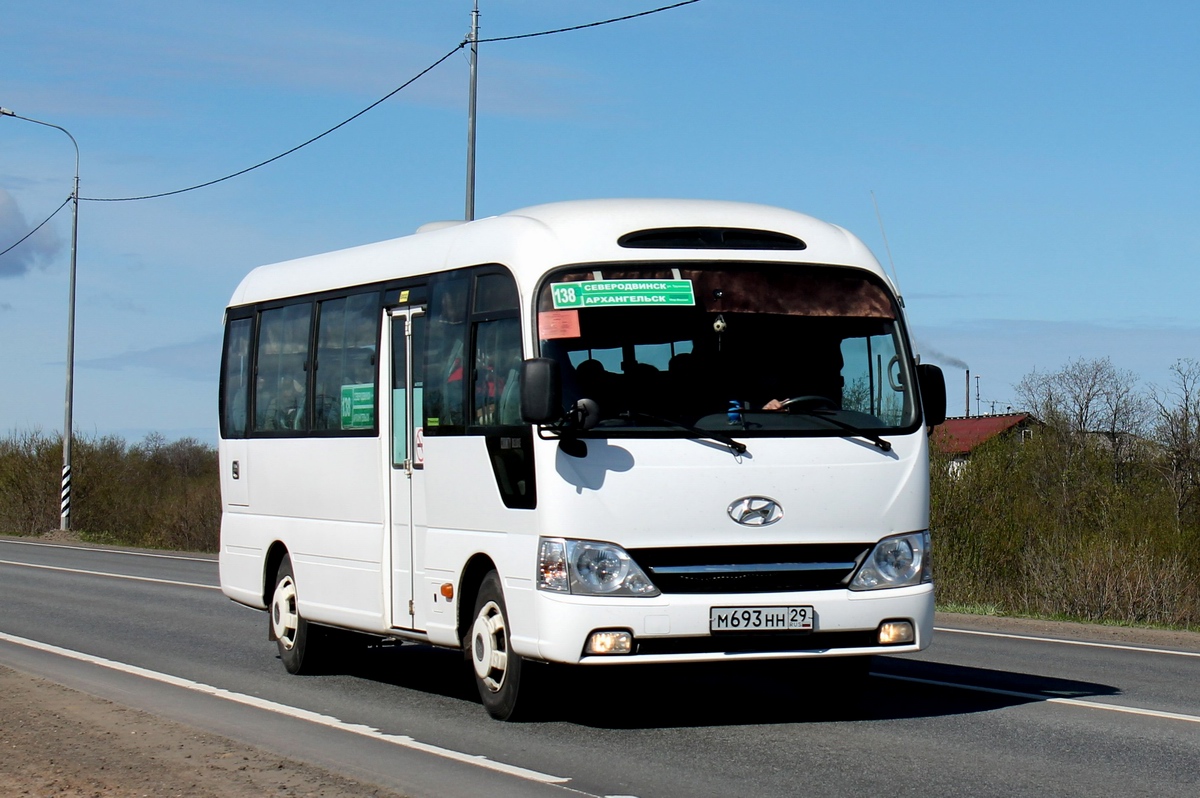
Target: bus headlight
(589, 567)
(898, 561)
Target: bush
(1047, 527)
(1056, 525)
(30, 475)
(153, 494)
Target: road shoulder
(59, 741)
(1066, 630)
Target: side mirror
(541, 391)
(933, 393)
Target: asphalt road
(994, 707)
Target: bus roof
(533, 240)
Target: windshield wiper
(737, 447)
(824, 413)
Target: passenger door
(407, 327)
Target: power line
(343, 123)
(386, 97)
(588, 25)
(39, 227)
(347, 121)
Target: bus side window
(495, 292)
(446, 365)
(497, 362)
(344, 395)
(235, 379)
(497, 355)
(281, 369)
(399, 394)
(870, 370)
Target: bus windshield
(741, 348)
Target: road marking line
(1118, 646)
(106, 551)
(328, 721)
(105, 573)
(1076, 702)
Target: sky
(1035, 164)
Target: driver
(822, 370)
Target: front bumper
(675, 628)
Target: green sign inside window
(621, 293)
(358, 406)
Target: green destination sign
(358, 406)
(622, 293)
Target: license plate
(761, 619)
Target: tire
(299, 644)
(499, 673)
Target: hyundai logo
(755, 511)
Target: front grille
(751, 569)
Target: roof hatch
(709, 238)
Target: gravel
(55, 741)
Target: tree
(1089, 396)
(1177, 429)
(1086, 396)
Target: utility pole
(64, 515)
(473, 37)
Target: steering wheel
(812, 401)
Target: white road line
(107, 551)
(403, 741)
(1075, 702)
(105, 573)
(1118, 646)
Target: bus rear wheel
(291, 632)
(497, 669)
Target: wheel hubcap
(284, 617)
(489, 649)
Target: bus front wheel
(496, 667)
(291, 632)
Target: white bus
(594, 432)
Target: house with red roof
(959, 436)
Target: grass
(990, 610)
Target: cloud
(144, 66)
(35, 252)
(192, 360)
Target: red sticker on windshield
(558, 324)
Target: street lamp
(65, 505)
